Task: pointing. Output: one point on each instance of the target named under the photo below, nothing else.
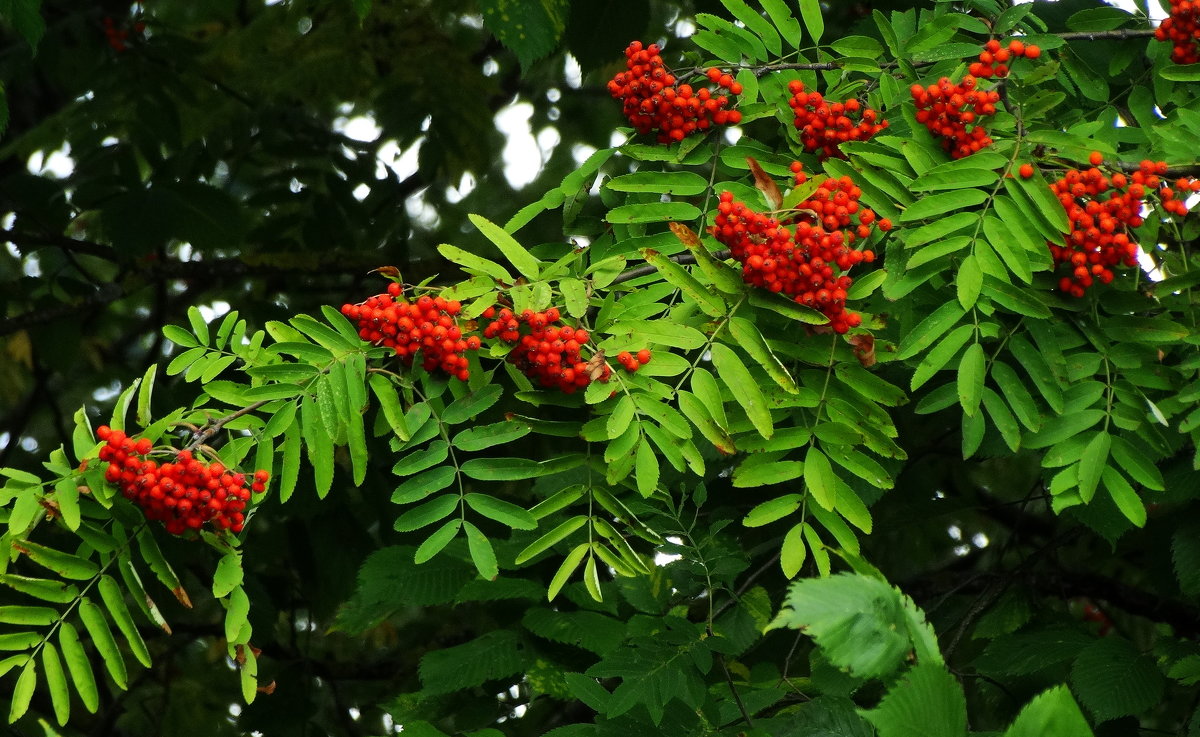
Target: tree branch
(647, 269)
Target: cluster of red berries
(807, 262)
(652, 101)
(823, 127)
(550, 351)
(118, 38)
(183, 495)
(632, 362)
(993, 60)
(946, 109)
(1102, 211)
(1182, 29)
(429, 326)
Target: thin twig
(647, 269)
(215, 426)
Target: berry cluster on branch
(654, 103)
(550, 351)
(947, 109)
(428, 325)
(183, 495)
(994, 59)
(824, 127)
(1103, 210)
(1182, 29)
(808, 261)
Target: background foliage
(1032, 497)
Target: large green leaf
(928, 702)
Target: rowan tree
(836, 374)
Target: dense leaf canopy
(947, 490)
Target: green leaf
(1037, 191)
(516, 254)
(752, 341)
(31, 615)
(228, 574)
(512, 469)
(749, 476)
(756, 24)
(786, 307)
(743, 387)
(937, 230)
(937, 358)
(102, 637)
(810, 12)
(1113, 679)
(114, 600)
(318, 445)
(568, 566)
(481, 437)
(1092, 464)
(819, 478)
(646, 469)
(504, 512)
(709, 303)
(56, 682)
(79, 666)
(431, 511)
(928, 702)
(972, 370)
(684, 183)
(591, 578)
(781, 17)
(551, 538)
(1181, 72)
(529, 28)
(1023, 301)
(969, 281)
(1002, 418)
(660, 332)
(793, 552)
(702, 419)
(1135, 463)
(436, 542)
(162, 570)
(64, 564)
(23, 691)
(1124, 496)
(1039, 370)
(474, 264)
(39, 588)
(940, 204)
(929, 330)
(199, 326)
(857, 621)
(482, 554)
(653, 212)
(1052, 712)
(422, 485)
(236, 613)
(772, 510)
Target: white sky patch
(361, 192)
(572, 73)
(662, 559)
(523, 158)
(466, 186)
(1156, 11)
(581, 151)
(360, 128)
(57, 164)
(213, 311)
(402, 162)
